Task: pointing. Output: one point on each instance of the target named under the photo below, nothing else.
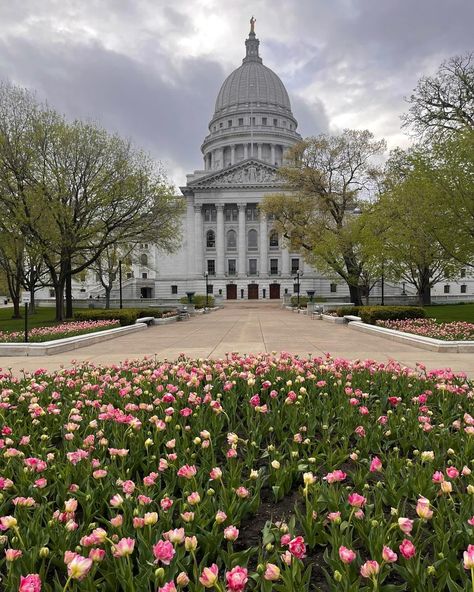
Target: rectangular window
(275, 122)
(295, 265)
(273, 266)
(231, 214)
(211, 267)
(210, 289)
(174, 289)
(333, 288)
(264, 121)
(210, 214)
(144, 276)
(296, 288)
(241, 121)
(221, 125)
(52, 293)
(252, 267)
(447, 288)
(464, 289)
(463, 273)
(229, 123)
(231, 266)
(253, 120)
(129, 274)
(252, 214)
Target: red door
(253, 291)
(231, 291)
(274, 291)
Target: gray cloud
(151, 69)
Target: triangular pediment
(248, 173)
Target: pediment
(250, 173)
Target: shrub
(199, 300)
(126, 316)
(347, 310)
(372, 314)
(303, 300)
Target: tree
(444, 103)
(107, 266)
(404, 217)
(326, 178)
(75, 190)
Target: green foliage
(126, 316)
(371, 314)
(199, 300)
(347, 310)
(451, 312)
(304, 300)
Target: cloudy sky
(151, 69)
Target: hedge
(126, 316)
(304, 300)
(199, 300)
(371, 314)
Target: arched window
(210, 239)
(252, 238)
(143, 259)
(273, 239)
(231, 240)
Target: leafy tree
(107, 266)
(444, 103)
(326, 179)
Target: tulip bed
(455, 331)
(70, 329)
(152, 476)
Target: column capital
(241, 205)
(220, 207)
(197, 208)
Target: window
(174, 289)
(241, 121)
(275, 122)
(253, 120)
(252, 267)
(210, 289)
(211, 267)
(52, 293)
(264, 121)
(231, 214)
(144, 276)
(231, 267)
(252, 214)
(129, 275)
(210, 214)
(284, 123)
(252, 239)
(274, 239)
(464, 289)
(296, 288)
(447, 289)
(143, 259)
(82, 290)
(231, 240)
(210, 239)
(463, 273)
(273, 266)
(333, 288)
(221, 124)
(295, 265)
(229, 123)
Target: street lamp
(120, 283)
(298, 275)
(206, 276)
(383, 283)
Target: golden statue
(252, 25)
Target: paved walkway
(247, 328)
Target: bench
(352, 318)
(148, 320)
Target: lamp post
(383, 283)
(120, 283)
(298, 274)
(206, 277)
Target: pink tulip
(407, 549)
(164, 552)
(124, 547)
(405, 525)
(209, 576)
(356, 500)
(423, 509)
(297, 547)
(187, 471)
(13, 554)
(272, 572)
(346, 555)
(375, 465)
(469, 557)
(79, 567)
(168, 587)
(236, 579)
(30, 583)
(231, 533)
(388, 555)
(369, 569)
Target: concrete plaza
(247, 327)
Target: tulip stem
(67, 584)
(472, 578)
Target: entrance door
(274, 291)
(253, 291)
(146, 293)
(231, 291)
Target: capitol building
(227, 242)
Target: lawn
(451, 312)
(44, 317)
(247, 474)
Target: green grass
(44, 317)
(451, 312)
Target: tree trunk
(424, 287)
(59, 293)
(32, 305)
(354, 291)
(16, 307)
(68, 290)
(107, 297)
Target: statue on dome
(252, 25)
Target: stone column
(285, 261)
(198, 240)
(242, 242)
(190, 246)
(232, 154)
(220, 269)
(272, 148)
(263, 245)
(259, 151)
(246, 147)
